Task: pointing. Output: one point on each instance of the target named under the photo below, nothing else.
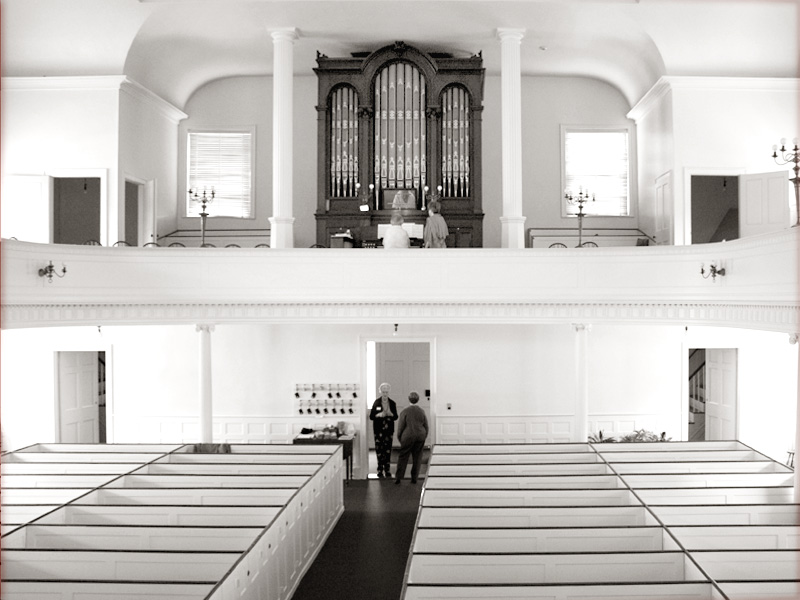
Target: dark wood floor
(365, 555)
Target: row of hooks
(326, 387)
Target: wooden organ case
(397, 128)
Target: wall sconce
(713, 271)
(788, 157)
(50, 270)
(395, 330)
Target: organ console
(392, 125)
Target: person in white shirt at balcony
(396, 236)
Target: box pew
(226, 469)
(729, 514)
(126, 565)
(512, 458)
(477, 497)
(263, 459)
(258, 516)
(521, 469)
(683, 456)
(503, 541)
(80, 457)
(189, 496)
(58, 468)
(750, 565)
(670, 446)
(130, 537)
(40, 495)
(513, 517)
(17, 514)
(512, 482)
(762, 590)
(85, 480)
(742, 537)
(664, 480)
(101, 448)
(70, 590)
(634, 591)
(481, 449)
(715, 495)
(208, 481)
(761, 466)
(494, 569)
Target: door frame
(109, 354)
(362, 469)
(102, 175)
(688, 173)
(686, 346)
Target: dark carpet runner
(365, 556)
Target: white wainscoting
(511, 429)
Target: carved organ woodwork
(396, 128)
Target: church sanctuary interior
(197, 310)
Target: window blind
(597, 162)
(222, 160)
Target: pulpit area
(689, 520)
(189, 522)
(397, 129)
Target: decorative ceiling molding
(780, 318)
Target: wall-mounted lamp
(50, 270)
(786, 157)
(713, 272)
(395, 329)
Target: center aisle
(365, 556)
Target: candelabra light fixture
(50, 270)
(713, 272)
(364, 199)
(581, 199)
(204, 199)
(432, 197)
(782, 157)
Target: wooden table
(345, 441)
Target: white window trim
(246, 129)
(632, 176)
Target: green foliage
(640, 435)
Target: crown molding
(780, 318)
(141, 94)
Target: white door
(763, 203)
(663, 209)
(147, 214)
(406, 367)
(78, 398)
(721, 394)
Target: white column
(581, 381)
(206, 432)
(512, 221)
(282, 221)
(793, 340)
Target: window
(596, 161)
(222, 160)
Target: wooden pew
(729, 514)
(499, 517)
(718, 495)
(515, 482)
(636, 591)
(746, 537)
(477, 497)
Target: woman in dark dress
(383, 415)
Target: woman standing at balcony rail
(436, 232)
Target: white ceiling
(173, 47)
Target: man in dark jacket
(412, 430)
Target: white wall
(244, 102)
(148, 151)
(548, 102)
(60, 125)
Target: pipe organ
(396, 128)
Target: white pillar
(512, 221)
(206, 432)
(793, 340)
(282, 221)
(581, 381)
